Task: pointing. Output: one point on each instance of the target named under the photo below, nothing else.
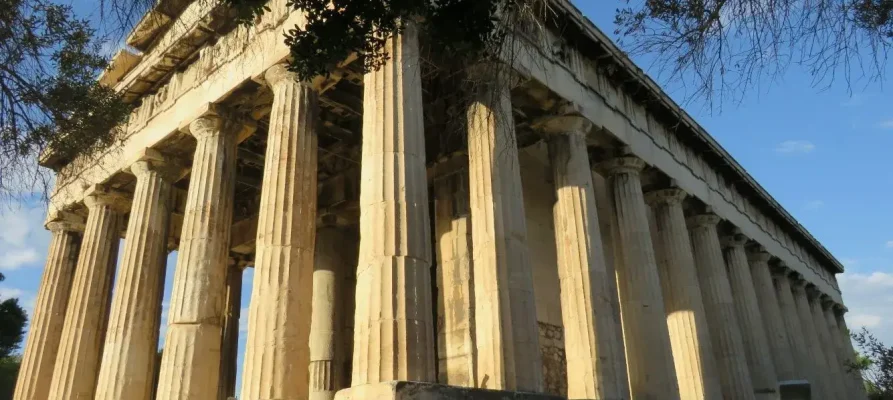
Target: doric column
(725, 331)
(394, 331)
(190, 366)
(335, 258)
(834, 371)
(753, 333)
(791, 320)
(131, 344)
(649, 354)
(686, 318)
(276, 352)
(45, 331)
(841, 334)
(229, 350)
(777, 335)
(86, 319)
(814, 349)
(589, 340)
(507, 334)
(455, 284)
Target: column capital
(570, 124)
(623, 165)
(665, 196)
(827, 302)
(279, 74)
(214, 120)
(735, 239)
(65, 221)
(491, 71)
(703, 221)
(812, 292)
(98, 195)
(779, 270)
(152, 160)
(797, 280)
(758, 253)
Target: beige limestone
(86, 319)
(335, 258)
(686, 318)
(455, 285)
(506, 331)
(649, 354)
(819, 366)
(190, 366)
(725, 331)
(590, 344)
(131, 343)
(394, 327)
(276, 352)
(229, 349)
(791, 319)
(753, 332)
(776, 334)
(45, 330)
(834, 372)
(838, 328)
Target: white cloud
(23, 240)
(849, 262)
(16, 258)
(858, 321)
(795, 147)
(885, 124)
(889, 244)
(867, 295)
(243, 320)
(8, 293)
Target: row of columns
(700, 319)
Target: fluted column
(821, 389)
(839, 330)
(190, 366)
(45, 331)
(394, 331)
(86, 319)
(791, 319)
(684, 305)
(753, 333)
(131, 344)
(505, 310)
(776, 334)
(455, 284)
(834, 371)
(649, 354)
(229, 352)
(277, 354)
(333, 262)
(725, 331)
(589, 340)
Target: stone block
(397, 390)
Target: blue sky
(823, 153)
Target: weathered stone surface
(394, 331)
(131, 344)
(777, 335)
(554, 356)
(229, 349)
(427, 391)
(837, 325)
(817, 359)
(791, 319)
(835, 368)
(276, 352)
(45, 331)
(649, 354)
(86, 318)
(725, 332)
(686, 318)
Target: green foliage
(12, 327)
(9, 370)
(875, 364)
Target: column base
(795, 390)
(398, 390)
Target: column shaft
(45, 332)
(649, 354)
(505, 310)
(190, 366)
(394, 332)
(816, 357)
(86, 319)
(328, 352)
(229, 352)
(777, 335)
(834, 371)
(686, 317)
(455, 283)
(720, 306)
(791, 319)
(277, 354)
(753, 333)
(131, 344)
(837, 324)
(589, 340)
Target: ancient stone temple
(585, 239)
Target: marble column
(86, 319)
(334, 260)
(276, 352)
(776, 334)
(394, 327)
(45, 331)
(686, 318)
(589, 341)
(788, 309)
(649, 354)
(506, 327)
(725, 331)
(455, 283)
(753, 333)
(837, 325)
(816, 354)
(229, 350)
(190, 366)
(131, 344)
(834, 372)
